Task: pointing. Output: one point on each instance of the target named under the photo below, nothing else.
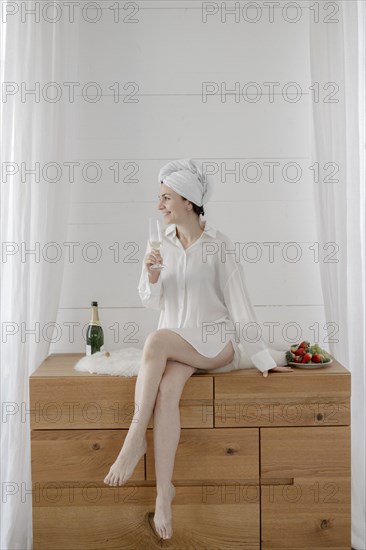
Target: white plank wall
(168, 53)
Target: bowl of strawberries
(307, 356)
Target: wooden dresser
(262, 463)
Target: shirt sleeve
(151, 294)
(242, 314)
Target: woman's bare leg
(160, 345)
(166, 438)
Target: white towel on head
(186, 179)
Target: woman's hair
(198, 209)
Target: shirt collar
(171, 230)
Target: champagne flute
(155, 239)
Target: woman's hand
(278, 369)
(150, 259)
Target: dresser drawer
(309, 514)
(77, 456)
(298, 398)
(203, 518)
(217, 454)
(309, 452)
(96, 402)
(284, 412)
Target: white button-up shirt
(202, 292)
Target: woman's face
(171, 205)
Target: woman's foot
(122, 469)
(163, 512)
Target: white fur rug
(126, 361)
(120, 362)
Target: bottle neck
(95, 317)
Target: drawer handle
(96, 446)
(319, 416)
(325, 524)
(230, 451)
(277, 481)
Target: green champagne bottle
(94, 334)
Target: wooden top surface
(62, 364)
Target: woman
(205, 313)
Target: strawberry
(306, 358)
(304, 344)
(317, 358)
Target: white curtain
(34, 129)
(338, 57)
